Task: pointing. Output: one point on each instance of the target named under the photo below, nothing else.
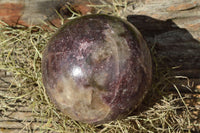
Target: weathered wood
(175, 45)
(170, 27)
(173, 29)
(184, 13)
(29, 12)
(18, 117)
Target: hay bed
(25, 107)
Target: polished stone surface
(97, 68)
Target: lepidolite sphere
(97, 68)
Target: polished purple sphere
(97, 68)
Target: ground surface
(172, 32)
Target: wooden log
(176, 45)
(184, 13)
(171, 28)
(31, 12)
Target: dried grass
(21, 52)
